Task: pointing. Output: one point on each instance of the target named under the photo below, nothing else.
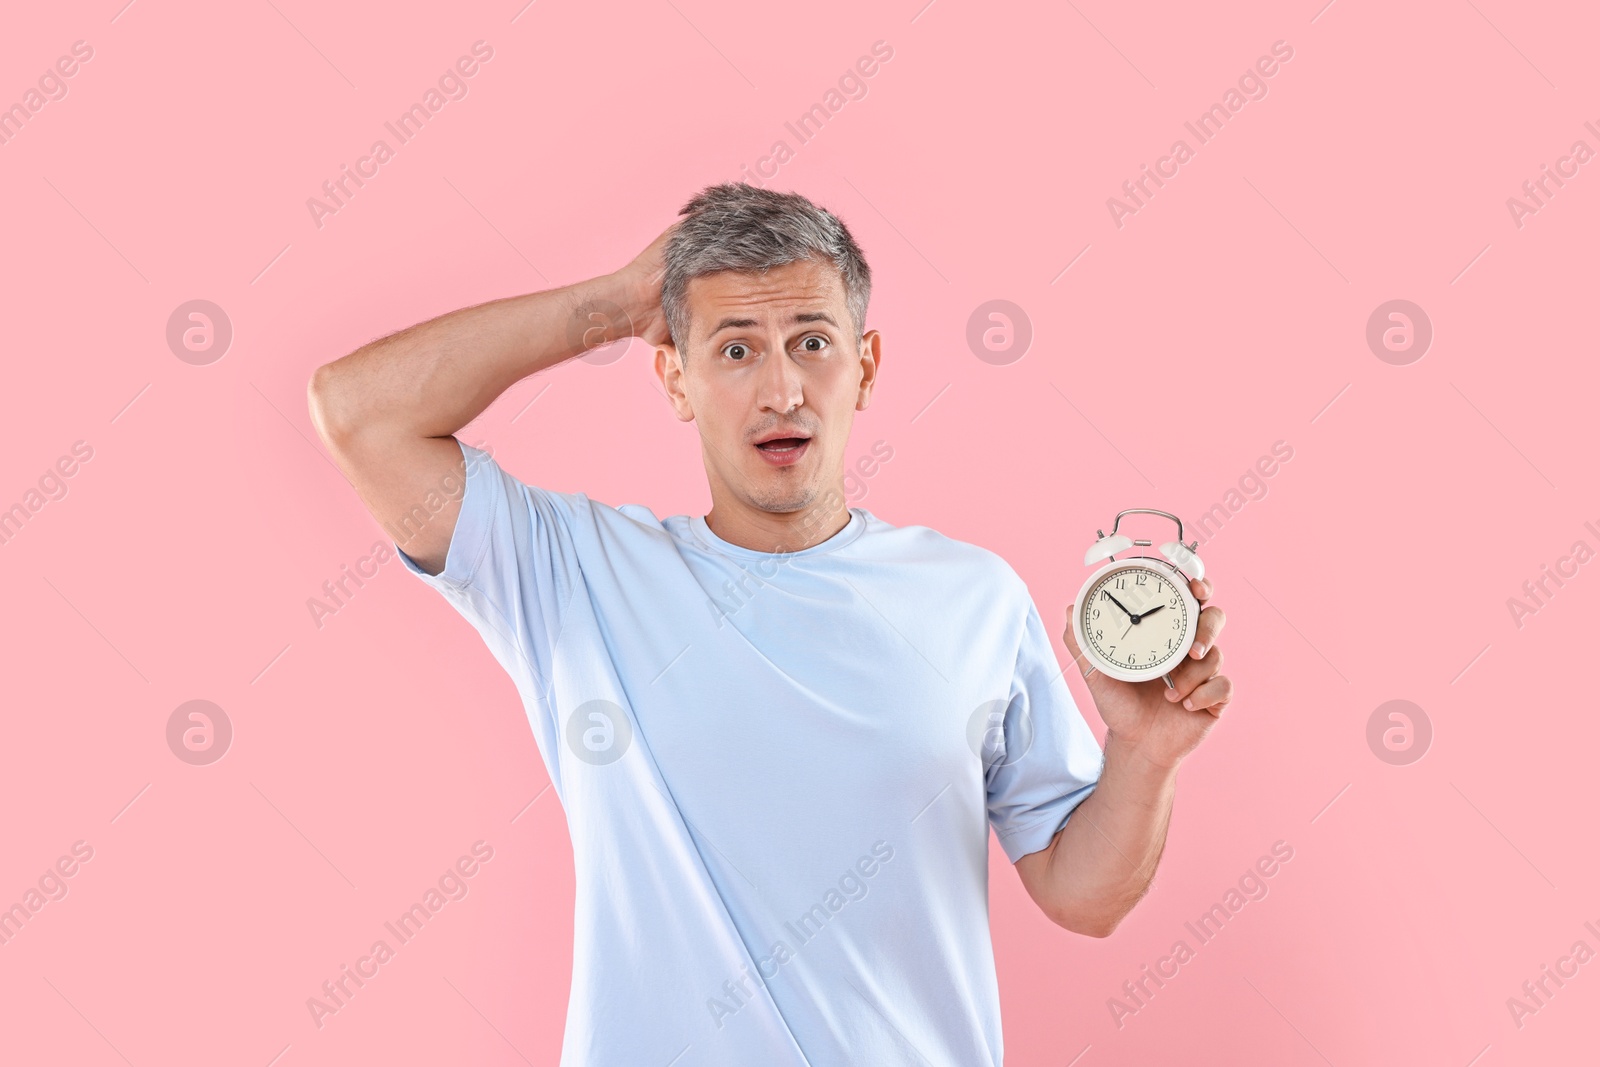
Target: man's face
(773, 376)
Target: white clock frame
(1180, 566)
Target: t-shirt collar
(851, 530)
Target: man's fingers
(1215, 691)
(1067, 636)
(1070, 639)
(1201, 588)
(1206, 631)
(1191, 673)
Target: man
(781, 731)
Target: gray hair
(741, 227)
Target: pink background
(1229, 313)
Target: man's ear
(871, 355)
(669, 369)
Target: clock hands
(1133, 617)
(1119, 604)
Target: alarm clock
(1135, 617)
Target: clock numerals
(1145, 639)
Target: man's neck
(780, 531)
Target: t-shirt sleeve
(511, 570)
(1048, 761)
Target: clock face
(1135, 619)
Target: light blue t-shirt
(778, 772)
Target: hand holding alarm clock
(1140, 618)
(1136, 617)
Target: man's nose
(782, 389)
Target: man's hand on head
(642, 278)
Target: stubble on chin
(784, 499)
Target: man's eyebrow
(800, 317)
(815, 316)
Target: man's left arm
(1100, 864)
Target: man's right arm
(388, 411)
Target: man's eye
(736, 352)
(821, 343)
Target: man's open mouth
(782, 451)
